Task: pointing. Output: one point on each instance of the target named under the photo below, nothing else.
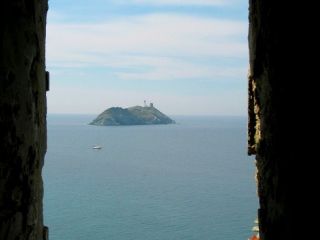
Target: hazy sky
(188, 57)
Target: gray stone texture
(277, 117)
(22, 118)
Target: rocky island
(137, 115)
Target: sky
(188, 57)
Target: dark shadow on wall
(22, 118)
(277, 118)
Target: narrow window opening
(188, 180)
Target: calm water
(188, 181)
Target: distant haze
(187, 57)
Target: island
(137, 115)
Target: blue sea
(188, 181)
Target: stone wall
(276, 112)
(22, 118)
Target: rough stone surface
(22, 118)
(275, 127)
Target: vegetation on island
(137, 115)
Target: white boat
(97, 147)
